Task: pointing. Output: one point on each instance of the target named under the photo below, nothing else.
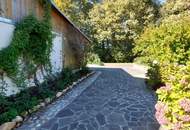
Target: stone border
(49, 102)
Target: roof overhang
(69, 21)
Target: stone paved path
(115, 101)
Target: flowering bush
(169, 44)
(173, 107)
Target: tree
(175, 7)
(117, 23)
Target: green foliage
(30, 48)
(154, 76)
(112, 25)
(27, 99)
(9, 115)
(93, 58)
(116, 24)
(168, 42)
(175, 7)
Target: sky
(162, 1)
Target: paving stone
(65, 121)
(101, 119)
(94, 123)
(116, 118)
(89, 127)
(48, 125)
(137, 128)
(132, 109)
(65, 113)
(86, 122)
(153, 126)
(81, 127)
(106, 111)
(134, 119)
(136, 114)
(55, 127)
(113, 104)
(132, 124)
(73, 126)
(83, 116)
(64, 128)
(89, 107)
(125, 128)
(111, 127)
(127, 117)
(124, 105)
(76, 108)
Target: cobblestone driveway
(115, 101)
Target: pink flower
(167, 87)
(160, 106)
(184, 82)
(177, 126)
(185, 104)
(161, 110)
(185, 118)
(161, 118)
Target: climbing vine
(30, 48)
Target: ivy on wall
(30, 48)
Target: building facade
(68, 44)
(73, 40)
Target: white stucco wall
(6, 29)
(6, 32)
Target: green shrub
(166, 43)
(8, 115)
(84, 70)
(154, 75)
(4, 104)
(93, 58)
(15, 105)
(141, 60)
(169, 44)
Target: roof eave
(54, 6)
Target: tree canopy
(111, 24)
(116, 23)
(175, 7)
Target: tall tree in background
(111, 24)
(117, 23)
(174, 10)
(175, 7)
